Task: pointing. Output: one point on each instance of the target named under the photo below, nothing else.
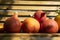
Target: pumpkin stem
(15, 14)
(42, 15)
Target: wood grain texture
(20, 18)
(32, 34)
(29, 36)
(33, 2)
(27, 5)
(30, 7)
(11, 12)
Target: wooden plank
(31, 34)
(52, 14)
(38, 2)
(28, 36)
(33, 2)
(30, 7)
(24, 13)
(32, 13)
(19, 12)
(34, 7)
(20, 18)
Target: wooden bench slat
(34, 7)
(27, 13)
(22, 13)
(30, 7)
(20, 18)
(19, 12)
(34, 2)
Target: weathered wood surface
(11, 12)
(30, 7)
(20, 18)
(26, 8)
(29, 36)
(30, 2)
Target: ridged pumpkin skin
(49, 26)
(12, 24)
(30, 25)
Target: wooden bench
(25, 9)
